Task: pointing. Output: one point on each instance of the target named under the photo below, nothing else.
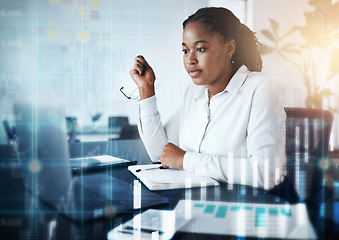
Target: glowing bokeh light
(324, 163)
(34, 166)
(110, 211)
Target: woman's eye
(201, 49)
(185, 51)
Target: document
(101, 159)
(157, 178)
(282, 221)
(152, 224)
(278, 221)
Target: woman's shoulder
(259, 84)
(260, 80)
(248, 79)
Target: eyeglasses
(133, 96)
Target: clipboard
(154, 177)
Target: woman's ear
(231, 45)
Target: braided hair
(224, 22)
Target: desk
(40, 222)
(101, 135)
(104, 134)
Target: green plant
(320, 38)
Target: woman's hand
(172, 156)
(144, 77)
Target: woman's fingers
(137, 70)
(140, 59)
(172, 156)
(143, 76)
(164, 165)
(134, 72)
(139, 66)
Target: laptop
(42, 140)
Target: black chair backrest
(129, 132)
(117, 121)
(308, 131)
(307, 139)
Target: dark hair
(224, 22)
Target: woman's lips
(194, 73)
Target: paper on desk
(172, 175)
(109, 159)
(170, 178)
(152, 224)
(103, 159)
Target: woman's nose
(191, 59)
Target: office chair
(129, 132)
(117, 121)
(120, 125)
(72, 125)
(307, 139)
(116, 124)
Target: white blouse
(237, 137)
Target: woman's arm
(152, 132)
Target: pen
(161, 167)
(131, 230)
(8, 129)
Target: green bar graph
(235, 208)
(221, 212)
(209, 209)
(260, 217)
(286, 212)
(260, 212)
(198, 205)
(273, 211)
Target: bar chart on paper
(247, 219)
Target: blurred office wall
(79, 52)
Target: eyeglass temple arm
(124, 93)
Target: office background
(79, 53)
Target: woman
(230, 125)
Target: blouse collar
(232, 87)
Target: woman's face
(207, 57)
